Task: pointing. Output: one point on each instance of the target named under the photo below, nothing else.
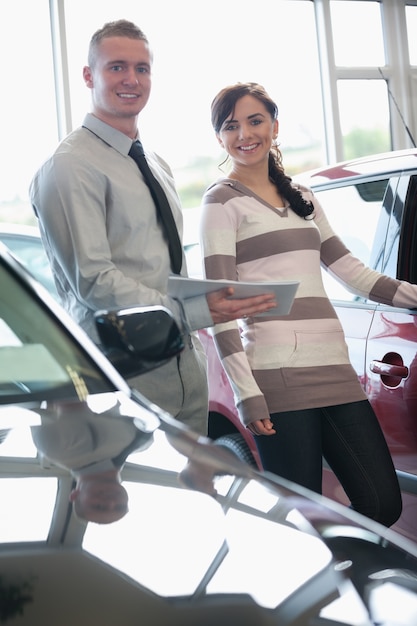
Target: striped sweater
(299, 360)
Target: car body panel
(387, 162)
(392, 340)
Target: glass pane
(193, 61)
(177, 567)
(345, 208)
(357, 33)
(28, 127)
(24, 499)
(26, 244)
(224, 562)
(404, 196)
(364, 117)
(37, 359)
(411, 17)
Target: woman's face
(248, 133)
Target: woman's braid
(299, 205)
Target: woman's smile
(248, 148)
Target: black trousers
(350, 438)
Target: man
(100, 227)
(94, 448)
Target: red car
(372, 205)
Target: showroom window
(411, 17)
(200, 55)
(354, 26)
(199, 48)
(362, 103)
(364, 117)
(28, 127)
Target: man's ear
(74, 495)
(88, 76)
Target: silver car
(187, 534)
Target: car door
(367, 214)
(376, 219)
(391, 355)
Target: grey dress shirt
(99, 226)
(88, 445)
(107, 250)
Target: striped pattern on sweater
(299, 360)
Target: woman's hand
(262, 427)
(223, 308)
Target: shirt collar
(114, 138)
(94, 468)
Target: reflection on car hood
(205, 537)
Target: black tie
(162, 206)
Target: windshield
(37, 357)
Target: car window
(359, 215)
(30, 251)
(37, 359)
(385, 251)
(401, 256)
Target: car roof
(24, 230)
(385, 163)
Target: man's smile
(128, 95)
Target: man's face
(100, 500)
(120, 80)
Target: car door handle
(388, 369)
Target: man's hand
(223, 308)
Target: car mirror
(138, 339)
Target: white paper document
(182, 288)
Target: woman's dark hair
(222, 108)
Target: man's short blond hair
(118, 28)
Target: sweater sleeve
(355, 275)
(218, 241)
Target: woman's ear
(276, 129)
(219, 140)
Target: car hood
(206, 538)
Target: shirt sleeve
(355, 275)
(72, 202)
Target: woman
(294, 386)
